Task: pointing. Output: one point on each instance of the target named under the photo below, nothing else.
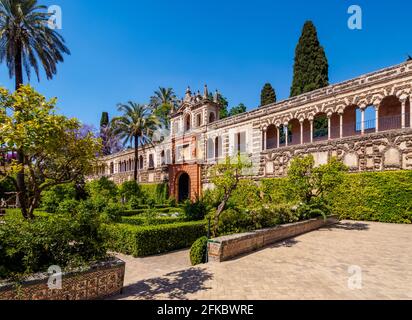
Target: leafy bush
(52, 198)
(195, 211)
(130, 190)
(246, 195)
(112, 212)
(234, 221)
(155, 193)
(28, 247)
(198, 251)
(102, 188)
(238, 221)
(6, 186)
(379, 196)
(68, 206)
(141, 241)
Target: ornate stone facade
(366, 122)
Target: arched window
(218, 147)
(168, 157)
(212, 117)
(199, 120)
(151, 161)
(163, 158)
(188, 123)
(210, 149)
(141, 162)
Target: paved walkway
(316, 265)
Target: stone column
(311, 131)
(277, 137)
(362, 121)
(301, 132)
(264, 139)
(341, 125)
(403, 114)
(286, 128)
(329, 127)
(410, 111)
(377, 118)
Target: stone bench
(228, 247)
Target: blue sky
(124, 50)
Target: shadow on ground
(351, 226)
(172, 286)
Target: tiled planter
(101, 280)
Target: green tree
(224, 104)
(309, 182)
(164, 103)
(311, 69)
(55, 150)
(136, 126)
(268, 95)
(241, 108)
(104, 121)
(26, 40)
(226, 177)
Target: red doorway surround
(175, 171)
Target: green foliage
(195, 211)
(68, 206)
(268, 95)
(308, 182)
(141, 241)
(55, 149)
(130, 190)
(264, 216)
(6, 186)
(155, 193)
(55, 196)
(104, 121)
(277, 191)
(241, 108)
(246, 195)
(381, 196)
(141, 220)
(311, 69)
(102, 188)
(28, 247)
(198, 251)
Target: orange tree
(55, 150)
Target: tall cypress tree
(104, 122)
(268, 95)
(311, 69)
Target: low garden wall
(228, 247)
(99, 281)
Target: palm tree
(136, 126)
(25, 41)
(164, 102)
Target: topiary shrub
(53, 197)
(198, 251)
(141, 241)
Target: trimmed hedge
(129, 213)
(198, 251)
(140, 221)
(156, 193)
(382, 197)
(142, 241)
(369, 196)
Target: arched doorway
(183, 185)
